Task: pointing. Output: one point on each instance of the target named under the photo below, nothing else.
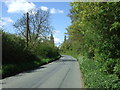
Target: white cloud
(17, 6)
(33, 12)
(56, 31)
(44, 8)
(60, 11)
(57, 37)
(1, 24)
(53, 11)
(57, 40)
(5, 21)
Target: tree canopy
(39, 25)
(95, 32)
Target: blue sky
(59, 11)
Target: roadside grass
(12, 69)
(94, 77)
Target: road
(63, 73)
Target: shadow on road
(69, 60)
(35, 69)
(66, 60)
(30, 71)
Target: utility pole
(27, 29)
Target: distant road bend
(63, 73)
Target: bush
(14, 50)
(45, 50)
(94, 77)
(16, 57)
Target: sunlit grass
(94, 77)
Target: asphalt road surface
(63, 73)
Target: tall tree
(39, 25)
(52, 39)
(64, 38)
(95, 32)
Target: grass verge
(13, 69)
(94, 77)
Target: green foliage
(39, 25)
(94, 34)
(17, 57)
(52, 39)
(94, 77)
(45, 50)
(14, 50)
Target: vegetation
(34, 27)
(17, 57)
(30, 47)
(93, 38)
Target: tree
(65, 38)
(52, 40)
(39, 25)
(95, 32)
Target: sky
(13, 10)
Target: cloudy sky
(14, 9)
